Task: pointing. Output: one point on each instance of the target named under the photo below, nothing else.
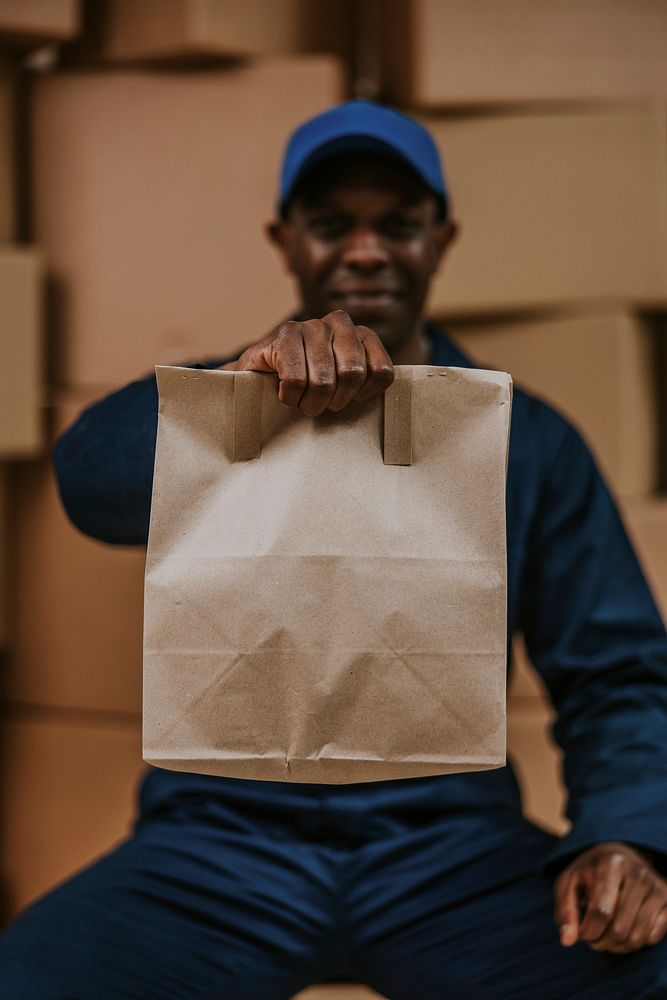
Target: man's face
(363, 235)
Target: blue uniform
(424, 888)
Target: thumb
(566, 910)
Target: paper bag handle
(246, 417)
(247, 425)
(398, 418)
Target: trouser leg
(455, 910)
(188, 907)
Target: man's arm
(104, 463)
(593, 632)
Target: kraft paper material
(325, 598)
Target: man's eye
(401, 227)
(328, 226)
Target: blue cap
(362, 126)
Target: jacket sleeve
(593, 632)
(104, 463)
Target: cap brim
(355, 143)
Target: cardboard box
(135, 30)
(68, 794)
(77, 604)
(646, 523)
(598, 369)
(537, 761)
(150, 197)
(21, 348)
(4, 562)
(453, 53)
(33, 21)
(554, 209)
(8, 153)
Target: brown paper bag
(326, 597)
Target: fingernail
(567, 935)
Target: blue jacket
(575, 590)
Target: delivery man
(429, 888)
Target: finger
(634, 889)
(282, 352)
(601, 897)
(321, 368)
(379, 367)
(289, 361)
(566, 910)
(640, 929)
(349, 357)
(658, 926)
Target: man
(425, 888)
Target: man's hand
(612, 898)
(322, 364)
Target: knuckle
(286, 329)
(618, 933)
(340, 315)
(384, 374)
(293, 381)
(317, 328)
(293, 364)
(351, 374)
(365, 331)
(320, 385)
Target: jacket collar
(443, 351)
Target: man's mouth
(365, 299)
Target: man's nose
(364, 250)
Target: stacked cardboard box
(20, 385)
(20, 320)
(21, 273)
(170, 30)
(554, 209)
(599, 369)
(9, 82)
(68, 793)
(453, 53)
(32, 22)
(4, 567)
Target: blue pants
(207, 900)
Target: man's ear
(445, 234)
(278, 234)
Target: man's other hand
(612, 898)
(322, 364)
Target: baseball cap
(362, 126)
